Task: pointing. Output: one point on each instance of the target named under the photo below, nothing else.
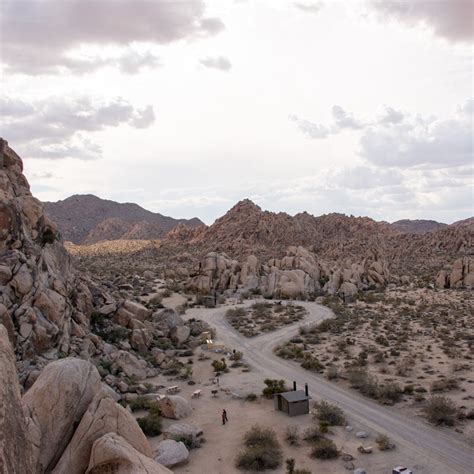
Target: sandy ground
(223, 443)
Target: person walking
(224, 417)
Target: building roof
(295, 396)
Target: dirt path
(434, 449)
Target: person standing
(224, 417)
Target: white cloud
(38, 36)
(57, 127)
(309, 7)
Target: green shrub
(331, 414)
(441, 411)
(273, 386)
(324, 449)
(262, 450)
(150, 424)
(219, 365)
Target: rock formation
(299, 273)
(459, 275)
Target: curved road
(437, 451)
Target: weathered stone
(112, 453)
(175, 407)
(56, 403)
(170, 453)
(103, 416)
(16, 448)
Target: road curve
(436, 450)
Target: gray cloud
(218, 62)
(38, 36)
(390, 116)
(309, 7)
(450, 19)
(55, 127)
(310, 129)
(343, 119)
(421, 143)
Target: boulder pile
(299, 273)
(459, 275)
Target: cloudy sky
(185, 107)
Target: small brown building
(294, 403)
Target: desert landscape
(236, 237)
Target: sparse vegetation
(324, 449)
(262, 450)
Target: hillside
(418, 226)
(86, 219)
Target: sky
(186, 107)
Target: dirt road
(436, 450)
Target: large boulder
(16, 453)
(103, 416)
(56, 403)
(182, 429)
(129, 364)
(175, 407)
(180, 334)
(138, 310)
(113, 454)
(170, 453)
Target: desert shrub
(441, 411)
(383, 442)
(389, 393)
(331, 414)
(312, 434)
(273, 386)
(292, 435)
(312, 363)
(141, 403)
(291, 469)
(190, 441)
(151, 424)
(262, 450)
(236, 356)
(219, 365)
(444, 385)
(251, 397)
(332, 372)
(324, 449)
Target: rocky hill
(86, 219)
(417, 226)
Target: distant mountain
(469, 222)
(418, 226)
(86, 219)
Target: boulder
(348, 289)
(182, 429)
(129, 364)
(103, 416)
(16, 449)
(56, 403)
(175, 407)
(180, 334)
(138, 310)
(170, 453)
(113, 454)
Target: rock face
(41, 295)
(56, 403)
(170, 453)
(16, 446)
(103, 416)
(297, 274)
(112, 453)
(175, 407)
(460, 275)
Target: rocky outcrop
(299, 273)
(175, 407)
(459, 275)
(16, 445)
(112, 453)
(56, 403)
(103, 416)
(170, 453)
(43, 301)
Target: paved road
(436, 450)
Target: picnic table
(173, 389)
